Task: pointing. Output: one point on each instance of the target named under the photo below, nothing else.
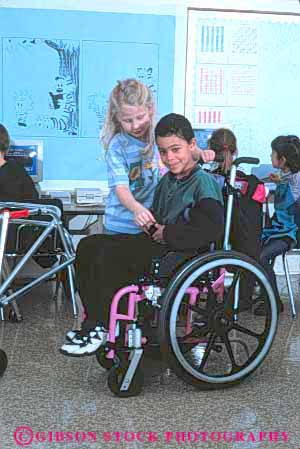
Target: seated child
(15, 183)
(247, 214)
(189, 214)
(17, 186)
(282, 233)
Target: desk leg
(94, 228)
(97, 227)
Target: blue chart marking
(207, 39)
(202, 38)
(217, 39)
(222, 39)
(212, 39)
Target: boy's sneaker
(83, 345)
(74, 336)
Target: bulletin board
(243, 73)
(57, 69)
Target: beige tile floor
(50, 393)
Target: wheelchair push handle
(24, 213)
(246, 160)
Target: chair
(35, 230)
(293, 252)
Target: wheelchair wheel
(116, 376)
(3, 362)
(103, 361)
(215, 341)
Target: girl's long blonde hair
(133, 93)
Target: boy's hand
(275, 177)
(150, 229)
(157, 235)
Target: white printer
(88, 196)
(62, 195)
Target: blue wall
(57, 69)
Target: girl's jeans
(273, 248)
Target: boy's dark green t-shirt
(174, 196)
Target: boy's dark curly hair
(289, 148)
(174, 124)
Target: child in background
(15, 183)
(282, 233)
(247, 214)
(133, 164)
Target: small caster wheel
(116, 376)
(13, 317)
(217, 348)
(103, 361)
(3, 362)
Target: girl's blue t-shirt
(125, 166)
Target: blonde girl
(131, 157)
(133, 163)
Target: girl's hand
(143, 216)
(158, 234)
(275, 177)
(207, 155)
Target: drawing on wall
(44, 100)
(97, 57)
(147, 76)
(98, 102)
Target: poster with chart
(241, 74)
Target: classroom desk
(74, 210)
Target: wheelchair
(204, 332)
(24, 216)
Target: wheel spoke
(196, 333)
(229, 351)
(211, 298)
(198, 310)
(229, 300)
(246, 331)
(208, 350)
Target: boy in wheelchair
(189, 213)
